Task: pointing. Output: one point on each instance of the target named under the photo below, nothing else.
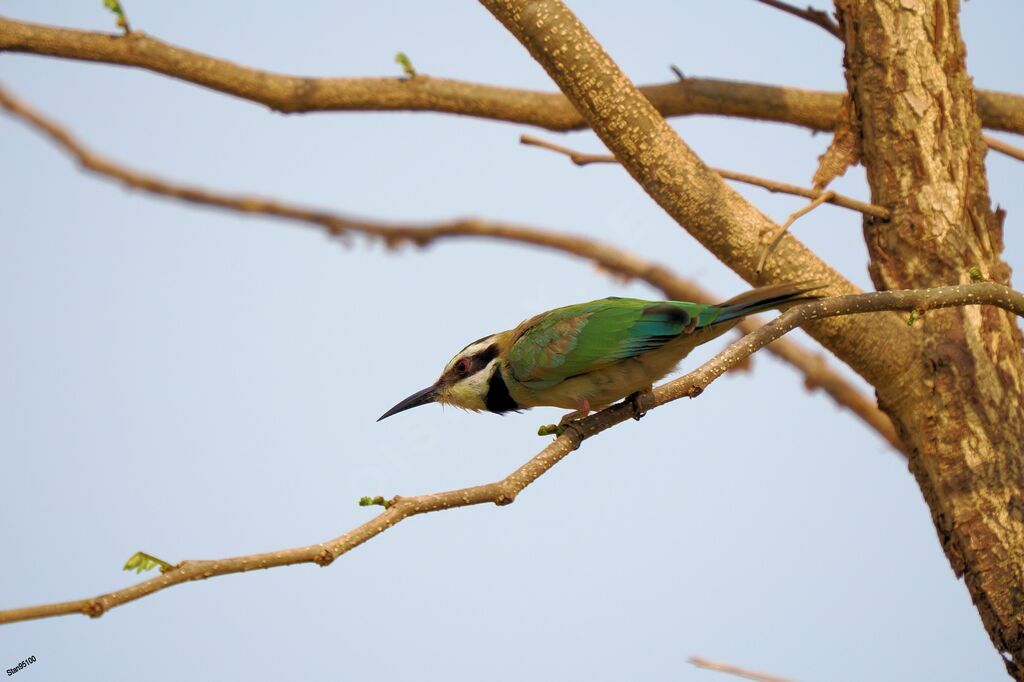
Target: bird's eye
(462, 366)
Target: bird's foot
(639, 400)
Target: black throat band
(498, 399)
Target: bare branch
(507, 489)
(1004, 147)
(920, 300)
(583, 159)
(615, 260)
(1000, 110)
(815, 16)
(730, 669)
(576, 156)
(292, 94)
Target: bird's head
(471, 380)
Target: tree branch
(583, 159)
(1004, 147)
(730, 669)
(618, 261)
(506, 490)
(293, 94)
(728, 225)
(815, 16)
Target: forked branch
(584, 158)
(507, 489)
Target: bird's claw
(634, 400)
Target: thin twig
(815, 16)
(777, 237)
(730, 669)
(550, 110)
(582, 159)
(615, 260)
(1004, 147)
(507, 489)
(786, 188)
(577, 157)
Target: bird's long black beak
(427, 395)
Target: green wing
(582, 338)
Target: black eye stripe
(476, 362)
(481, 359)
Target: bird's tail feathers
(778, 296)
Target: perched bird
(586, 356)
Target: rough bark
(959, 408)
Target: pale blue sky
(198, 384)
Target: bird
(586, 356)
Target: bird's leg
(557, 429)
(637, 399)
(583, 409)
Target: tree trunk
(958, 406)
